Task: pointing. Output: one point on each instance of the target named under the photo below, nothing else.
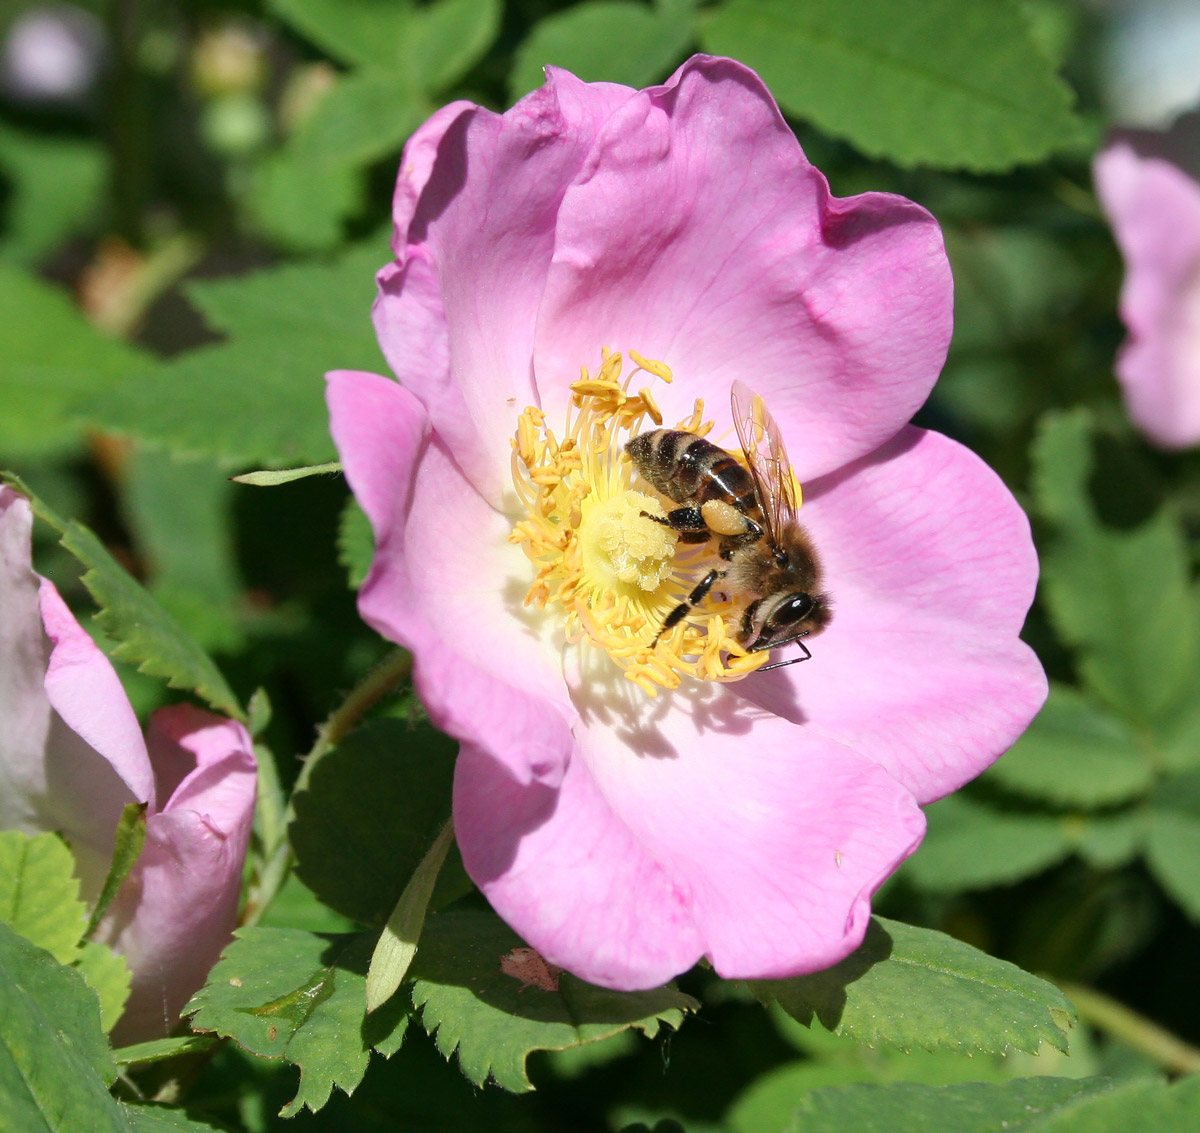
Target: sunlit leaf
(286, 994)
(582, 38)
(39, 893)
(55, 362)
(55, 1066)
(492, 1000)
(258, 399)
(915, 988)
(109, 977)
(941, 83)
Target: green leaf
(398, 942)
(179, 511)
(284, 993)
(1053, 27)
(1075, 754)
(356, 543)
(1107, 841)
(258, 399)
(1141, 1104)
(128, 841)
(303, 192)
(39, 893)
(258, 715)
(55, 1066)
(365, 116)
(976, 1107)
(969, 845)
(109, 977)
(370, 810)
(57, 186)
(163, 1119)
(484, 994)
(769, 1102)
(146, 634)
(296, 906)
(584, 39)
(1177, 734)
(433, 44)
(449, 37)
(46, 370)
(301, 205)
(268, 479)
(354, 31)
(940, 83)
(1173, 855)
(912, 987)
(1122, 598)
(158, 1050)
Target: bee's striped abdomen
(690, 470)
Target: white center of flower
(622, 545)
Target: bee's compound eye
(797, 607)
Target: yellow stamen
(598, 555)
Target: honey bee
(751, 513)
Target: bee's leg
(698, 594)
(687, 521)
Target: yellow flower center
(614, 572)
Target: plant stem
(1121, 1022)
(381, 680)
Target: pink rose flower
(627, 827)
(1154, 208)
(73, 756)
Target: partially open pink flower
(72, 756)
(627, 827)
(1154, 208)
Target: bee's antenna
(791, 661)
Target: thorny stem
(380, 681)
(1121, 1022)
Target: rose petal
(699, 234)
(73, 754)
(1155, 213)
(24, 709)
(931, 568)
(445, 582)
(455, 314)
(720, 834)
(178, 908)
(86, 692)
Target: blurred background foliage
(194, 198)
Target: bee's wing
(762, 444)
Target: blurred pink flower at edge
(73, 756)
(1153, 203)
(625, 835)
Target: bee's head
(780, 618)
